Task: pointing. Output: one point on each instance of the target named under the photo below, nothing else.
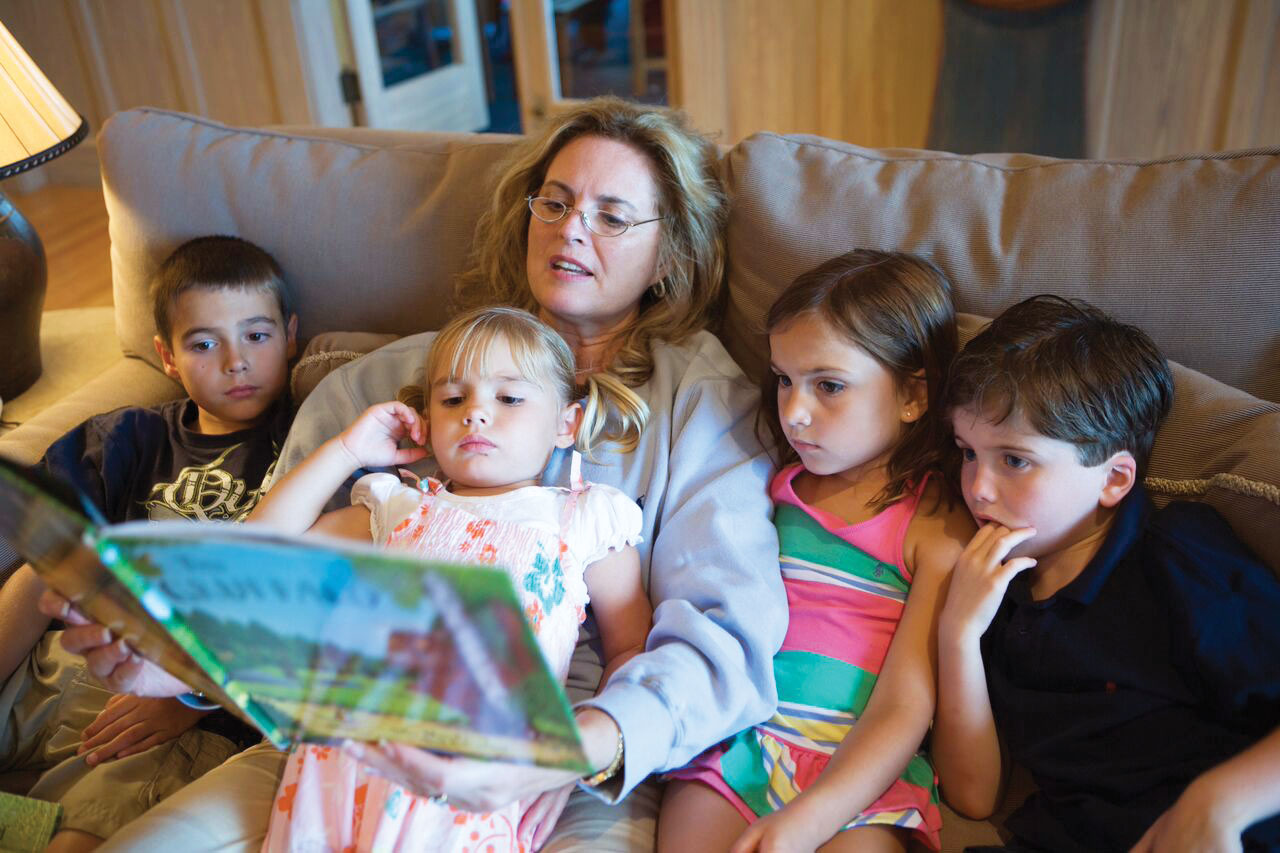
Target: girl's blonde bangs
(466, 350)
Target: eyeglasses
(596, 220)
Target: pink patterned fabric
(546, 538)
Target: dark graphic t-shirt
(137, 463)
(149, 463)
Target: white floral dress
(546, 537)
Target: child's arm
(897, 717)
(1221, 803)
(21, 624)
(966, 748)
(621, 607)
(294, 504)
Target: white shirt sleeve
(603, 520)
(388, 500)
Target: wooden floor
(72, 224)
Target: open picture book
(306, 639)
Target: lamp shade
(36, 123)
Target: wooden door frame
(324, 48)
(536, 62)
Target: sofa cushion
(327, 352)
(127, 382)
(1184, 247)
(1219, 445)
(370, 227)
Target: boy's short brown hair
(1074, 373)
(215, 261)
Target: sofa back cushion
(370, 227)
(1187, 248)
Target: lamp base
(23, 276)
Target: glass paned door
(419, 64)
(414, 38)
(611, 47)
(572, 49)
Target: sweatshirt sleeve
(720, 611)
(346, 392)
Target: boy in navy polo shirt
(1128, 657)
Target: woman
(609, 226)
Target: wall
(1193, 75)
(236, 61)
(859, 70)
(1159, 76)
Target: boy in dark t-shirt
(1127, 656)
(225, 330)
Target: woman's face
(586, 283)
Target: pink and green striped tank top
(846, 588)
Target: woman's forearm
(295, 502)
(599, 733)
(1246, 788)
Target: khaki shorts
(46, 704)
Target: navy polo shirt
(1161, 660)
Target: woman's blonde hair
(542, 357)
(691, 254)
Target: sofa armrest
(129, 382)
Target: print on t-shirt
(206, 493)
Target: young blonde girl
(499, 401)
(859, 349)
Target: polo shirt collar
(1126, 527)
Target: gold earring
(659, 290)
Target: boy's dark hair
(214, 262)
(1074, 373)
(897, 307)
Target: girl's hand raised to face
(373, 441)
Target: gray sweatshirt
(709, 556)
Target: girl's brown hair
(543, 358)
(692, 205)
(897, 307)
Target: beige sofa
(372, 226)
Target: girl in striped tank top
(869, 532)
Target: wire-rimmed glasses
(596, 220)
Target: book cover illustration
(310, 639)
(26, 824)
